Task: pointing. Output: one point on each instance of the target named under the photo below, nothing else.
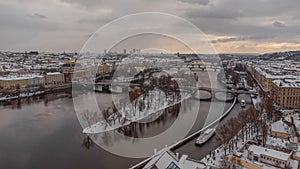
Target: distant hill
(289, 55)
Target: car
(243, 103)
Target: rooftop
(20, 77)
(167, 158)
(293, 83)
(269, 152)
(279, 126)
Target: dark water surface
(44, 133)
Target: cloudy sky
(233, 26)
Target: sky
(232, 26)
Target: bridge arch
(203, 95)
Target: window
(172, 166)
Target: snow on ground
(154, 103)
(219, 152)
(277, 142)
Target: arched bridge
(234, 92)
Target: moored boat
(204, 137)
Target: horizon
(120, 52)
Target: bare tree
(249, 79)
(243, 120)
(264, 132)
(269, 107)
(222, 132)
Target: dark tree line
(240, 128)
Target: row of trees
(250, 122)
(240, 128)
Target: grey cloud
(200, 2)
(243, 38)
(94, 21)
(37, 15)
(245, 21)
(87, 3)
(224, 40)
(279, 24)
(12, 18)
(214, 13)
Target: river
(44, 132)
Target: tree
(222, 132)
(253, 115)
(233, 130)
(264, 132)
(224, 162)
(269, 107)
(249, 79)
(243, 122)
(235, 77)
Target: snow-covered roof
(20, 77)
(279, 126)
(258, 150)
(163, 160)
(53, 73)
(287, 83)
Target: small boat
(117, 89)
(203, 138)
(98, 88)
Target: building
(36, 81)
(104, 68)
(286, 93)
(269, 156)
(167, 160)
(21, 81)
(281, 130)
(12, 83)
(265, 72)
(68, 69)
(54, 78)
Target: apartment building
(269, 156)
(54, 78)
(286, 93)
(280, 80)
(21, 81)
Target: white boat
(116, 89)
(98, 88)
(203, 138)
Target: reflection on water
(87, 142)
(43, 132)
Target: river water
(44, 132)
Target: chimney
(177, 156)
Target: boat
(117, 89)
(102, 89)
(203, 138)
(98, 88)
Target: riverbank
(36, 93)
